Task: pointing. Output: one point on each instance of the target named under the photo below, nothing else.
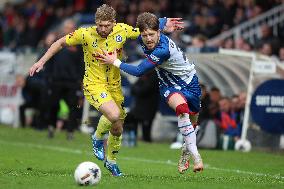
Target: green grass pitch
(28, 159)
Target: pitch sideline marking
(168, 162)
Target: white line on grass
(207, 166)
(168, 162)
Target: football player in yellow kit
(102, 83)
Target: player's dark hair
(105, 13)
(146, 21)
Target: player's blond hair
(105, 13)
(146, 21)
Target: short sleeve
(162, 23)
(75, 38)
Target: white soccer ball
(87, 173)
(7, 116)
(243, 145)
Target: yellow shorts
(100, 94)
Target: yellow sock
(103, 127)
(114, 144)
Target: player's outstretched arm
(53, 49)
(137, 71)
(173, 24)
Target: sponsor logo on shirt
(154, 58)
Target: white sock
(187, 131)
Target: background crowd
(25, 24)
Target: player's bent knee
(182, 109)
(113, 117)
(116, 131)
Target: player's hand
(107, 58)
(36, 68)
(173, 24)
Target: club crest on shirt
(118, 38)
(103, 94)
(166, 94)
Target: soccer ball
(87, 173)
(243, 145)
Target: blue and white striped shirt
(171, 64)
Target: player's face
(104, 28)
(150, 38)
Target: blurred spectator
(228, 124)
(229, 43)
(215, 95)
(247, 47)
(146, 94)
(197, 26)
(267, 38)
(205, 102)
(239, 43)
(33, 35)
(198, 45)
(237, 113)
(240, 16)
(35, 93)
(266, 49)
(281, 33)
(228, 12)
(257, 10)
(199, 41)
(32, 93)
(235, 103)
(242, 104)
(214, 111)
(281, 54)
(20, 33)
(28, 101)
(64, 82)
(213, 25)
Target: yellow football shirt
(92, 43)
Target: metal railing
(249, 30)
